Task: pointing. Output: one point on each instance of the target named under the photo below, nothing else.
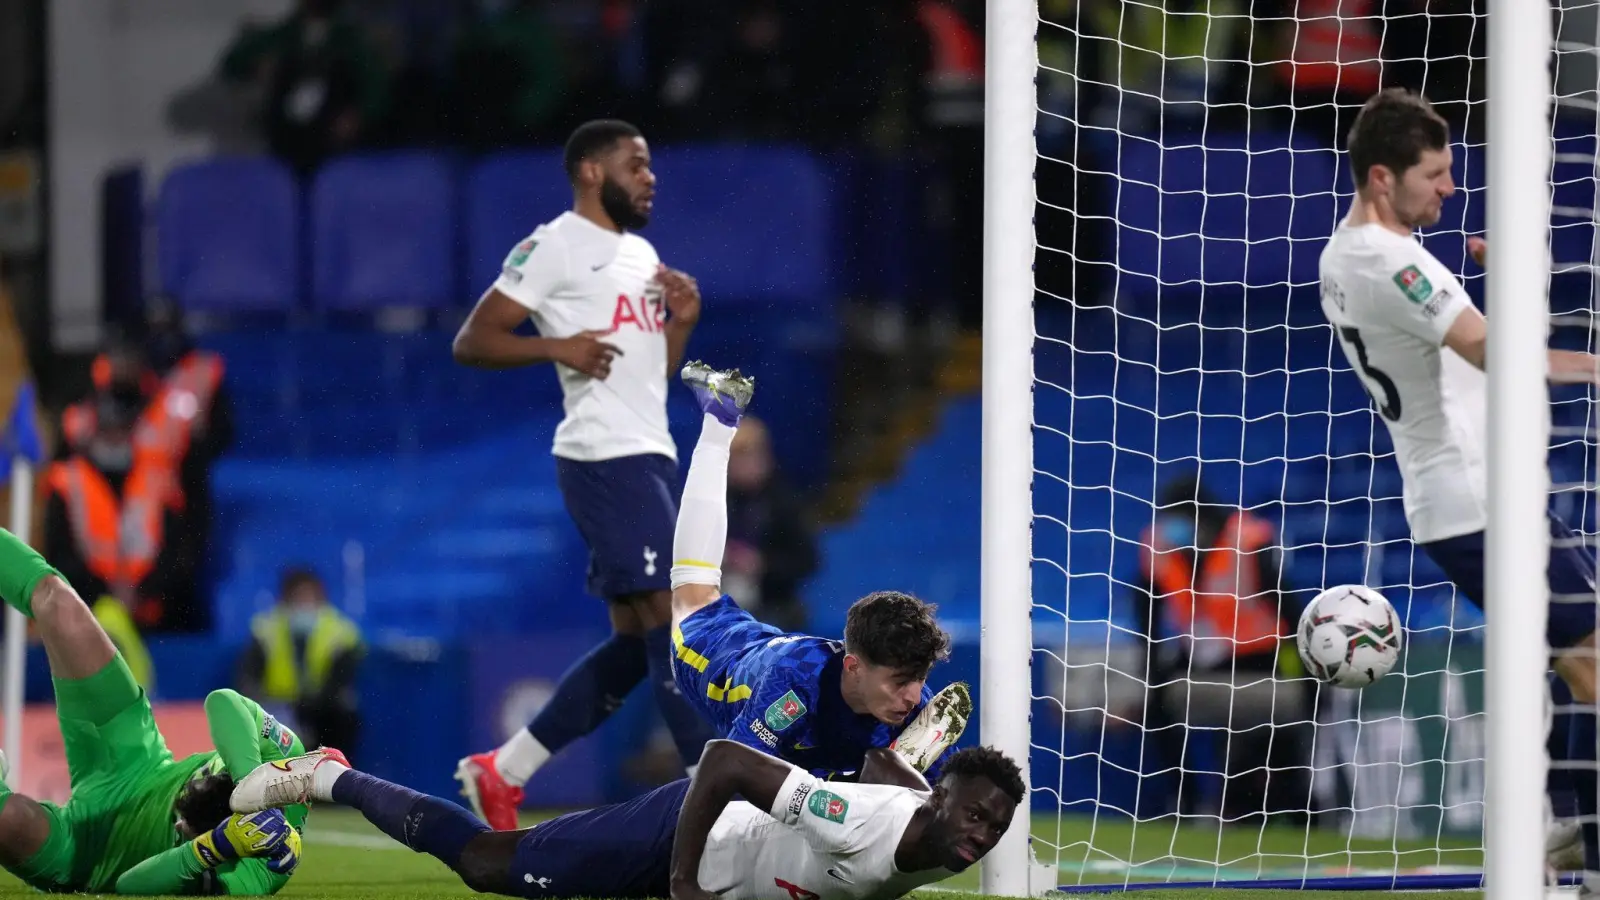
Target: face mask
(302, 620)
(111, 457)
(1177, 531)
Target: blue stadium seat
(384, 232)
(751, 223)
(1237, 210)
(507, 196)
(229, 235)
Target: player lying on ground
(792, 837)
(818, 703)
(1412, 334)
(138, 821)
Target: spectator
(771, 547)
(185, 417)
(113, 506)
(507, 77)
(323, 88)
(1330, 63)
(303, 657)
(1210, 603)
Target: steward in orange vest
(185, 419)
(1213, 606)
(1211, 580)
(110, 514)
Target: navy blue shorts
(1571, 572)
(622, 850)
(626, 509)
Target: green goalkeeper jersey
(145, 853)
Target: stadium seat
(507, 195)
(1241, 211)
(751, 223)
(384, 232)
(228, 234)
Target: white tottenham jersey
(1391, 303)
(823, 840)
(573, 276)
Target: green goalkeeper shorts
(112, 767)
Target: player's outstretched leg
(426, 824)
(701, 535)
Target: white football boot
(936, 728)
(283, 782)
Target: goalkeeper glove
(284, 860)
(243, 835)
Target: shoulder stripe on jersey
(728, 692)
(687, 655)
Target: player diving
(138, 820)
(817, 703)
(790, 836)
(1414, 337)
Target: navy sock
(425, 824)
(690, 730)
(590, 691)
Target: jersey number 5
(1389, 403)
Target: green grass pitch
(347, 859)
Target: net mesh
(1189, 175)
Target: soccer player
(791, 836)
(138, 821)
(615, 322)
(818, 703)
(1417, 342)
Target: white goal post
(1493, 756)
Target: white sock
(323, 777)
(692, 769)
(702, 532)
(519, 757)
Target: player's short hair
(1392, 130)
(204, 804)
(989, 763)
(592, 139)
(889, 628)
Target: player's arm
(1468, 336)
(1565, 366)
(488, 340)
(235, 721)
(179, 872)
(683, 304)
(534, 271)
(884, 766)
(247, 854)
(726, 770)
(176, 871)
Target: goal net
(1188, 173)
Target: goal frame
(1518, 477)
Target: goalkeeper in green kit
(139, 821)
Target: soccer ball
(1349, 636)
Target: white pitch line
(352, 839)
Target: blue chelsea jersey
(783, 698)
